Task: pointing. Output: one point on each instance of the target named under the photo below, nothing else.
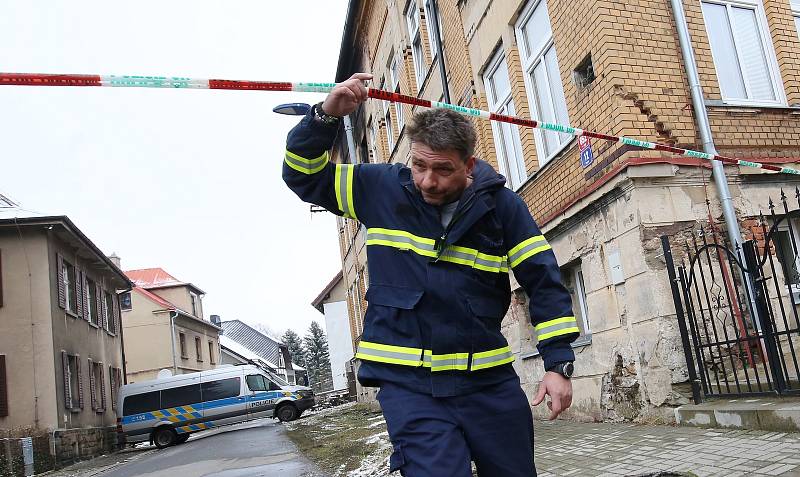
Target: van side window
(139, 403)
(256, 382)
(274, 386)
(224, 388)
(180, 396)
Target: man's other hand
(559, 389)
(347, 95)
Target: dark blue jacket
(436, 297)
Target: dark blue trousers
(438, 437)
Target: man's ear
(471, 164)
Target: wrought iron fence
(737, 306)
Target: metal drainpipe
(351, 145)
(703, 126)
(701, 118)
(434, 25)
(172, 329)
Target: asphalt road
(258, 448)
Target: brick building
(611, 67)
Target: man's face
(440, 176)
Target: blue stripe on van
(196, 413)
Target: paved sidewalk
(577, 449)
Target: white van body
(165, 411)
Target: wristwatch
(564, 368)
(320, 116)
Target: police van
(165, 411)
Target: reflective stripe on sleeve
(526, 249)
(389, 354)
(306, 166)
(556, 327)
(344, 189)
(489, 359)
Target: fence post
(760, 297)
(687, 351)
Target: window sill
(71, 313)
(716, 103)
(579, 343)
(93, 325)
(185, 357)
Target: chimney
(216, 320)
(116, 260)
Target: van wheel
(164, 437)
(182, 438)
(287, 413)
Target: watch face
(568, 369)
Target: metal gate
(738, 308)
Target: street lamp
(292, 109)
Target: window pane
(514, 145)
(797, 25)
(723, 50)
(544, 107)
(140, 403)
(180, 396)
(499, 81)
(754, 61)
(557, 91)
(788, 257)
(256, 382)
(222, 389)
(536, 30)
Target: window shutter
(62, 295)
(114, 390)
(102, 405)
(80, 381)
(67, 390)
(92, 385)
(79, 294)
(115, 319)
(98, 298)
(3, 387)
(1, 278)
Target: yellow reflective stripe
(451, 361)
(343, 185)
(402, 240)
(492, 358)
(306, 166)
(426, 358)
(389, 354)
(526, 249)
(557, 327)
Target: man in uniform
(441, 238)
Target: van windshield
(278, 380)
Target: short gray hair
(442, 129)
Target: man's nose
(429, 181)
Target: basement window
(583, 74)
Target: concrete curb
(759, 414)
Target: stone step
(757, 413)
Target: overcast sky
(186, 180)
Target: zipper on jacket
(459, 213)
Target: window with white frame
(432, 37)
(387, 117)
(572, 278)
(744, 58)
(412, 21)
(373, 146)
(394, 77)
(542, 77)
(506, 136)
(787, 242)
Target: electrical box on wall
(615, 268)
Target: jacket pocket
(486, 307)
(391, 318)
(394, 296)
